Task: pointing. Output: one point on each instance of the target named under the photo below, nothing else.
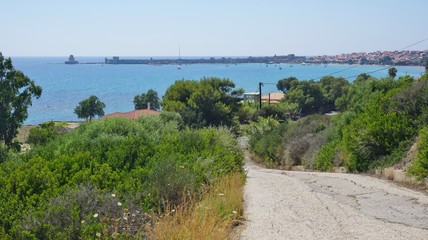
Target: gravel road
(308, 205)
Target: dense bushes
(303, 139)
(55, 190)
(378, 129)
(380, 119)
(288, 144)
(265, 136)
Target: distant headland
(402, 58)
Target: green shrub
(297, 149)
(375, 133)
(304, 138)
(256, 129)
(82, 212)
(268, 146)
(325, 158)
(172, 180)
(43, 133)
(419, 167)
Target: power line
(346, 69)
(416, 43)
(387, 67)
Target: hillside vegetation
(378, 122)
(114, 178)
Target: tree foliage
(313, 97)
(392, 72)
(16, 91)
(208, 102)
(286, 84)
(141, 101)
(89, 108)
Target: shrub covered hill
(378, 120)
(106, 177)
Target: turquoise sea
(64, 86)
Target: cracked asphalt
(312, 205)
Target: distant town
(399, 58)
(402, 58)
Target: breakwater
(291, 58)
(396, 58)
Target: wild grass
(220, 208)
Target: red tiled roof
(131, 115)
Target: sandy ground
(307, 205)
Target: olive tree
(89, 108)
(16, 92)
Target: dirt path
(303, 205)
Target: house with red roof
(132, 115)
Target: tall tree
(334, 88)
(392, 72)
(287, 83)
(89, 108)
(308, 95)
(209, 102)
(16, 91)
(141, 101)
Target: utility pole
(260, 95)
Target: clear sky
(209, 27)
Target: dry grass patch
(214, 217)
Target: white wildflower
(82, 222)
(95, 215)
(113, 195)
(98, 234)
(221, 194)
(234, 212)
(119, 204)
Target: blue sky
(209, 28)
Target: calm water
(64, 86)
